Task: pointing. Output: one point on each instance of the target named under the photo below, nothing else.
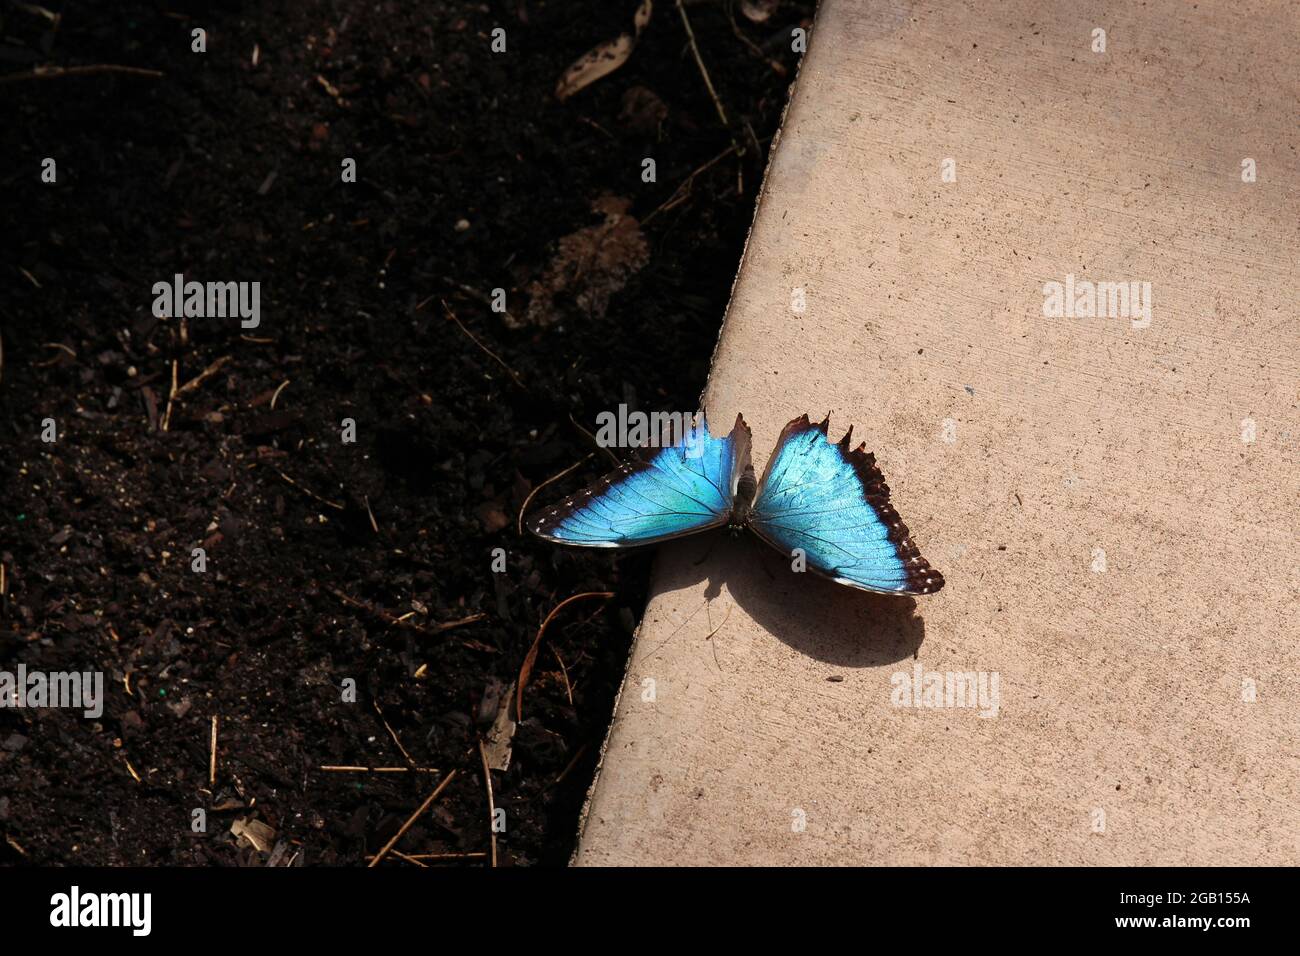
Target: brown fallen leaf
(590, 265)
(497, 740)
(603, 59)
(254, 833)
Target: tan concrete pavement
(1117, 552)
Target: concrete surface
(1115, 550)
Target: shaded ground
(470, 176)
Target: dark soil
(470, 172)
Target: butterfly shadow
(827, 621)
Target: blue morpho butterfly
(822, 498)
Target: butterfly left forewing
(833, 505)
(664, 493)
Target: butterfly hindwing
(833, 504)
(688, 486)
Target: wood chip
(603, 59)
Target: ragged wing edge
(921, 577)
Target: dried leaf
(279, 853)
(497, 741)
(254, 833)
(603, 59)
(590, 265)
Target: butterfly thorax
(746, 487)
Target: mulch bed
(334, 564)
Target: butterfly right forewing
(832, 504)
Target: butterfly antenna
(714, 630)
(688, 620)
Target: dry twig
(404, 621)
(311, 494)
(413, 817)
(392, 733)
(531, 657)
(343, 768)
(54, 72)
(212, 755)
(493, 355)
(492, 807)
(171, 398)
(203, 376)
